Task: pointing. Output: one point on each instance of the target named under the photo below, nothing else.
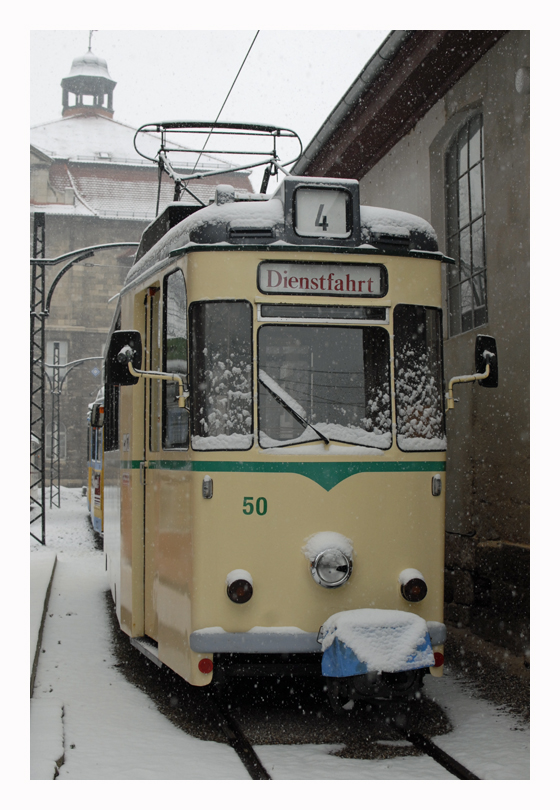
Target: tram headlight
(331, 568)
(413, 585)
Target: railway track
(243, 748)
(210, 716)
(238, 741)
(441, 757)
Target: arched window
(466, 228)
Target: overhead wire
(223, 105)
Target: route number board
(322, 212)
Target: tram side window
(221, 375)
(419, 378)
(93, 447)
(175, 419)
(99, 444)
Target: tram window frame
(383, 279)
(195, 366)
(397, 337)
(169, 389)
(301, 312)
(387, 376)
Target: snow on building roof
(95, 157)
(89, 65)
(90, 137)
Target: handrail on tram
(125, 356)
(470, 378)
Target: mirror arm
(470, 378)
(156, 375)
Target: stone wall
(487, 590)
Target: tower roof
(88, 75)
(91, 85)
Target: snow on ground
(112, 731)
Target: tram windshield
(335, 378)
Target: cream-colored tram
(275, 441)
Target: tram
(275, 441)
(95, 462)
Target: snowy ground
(109, 730)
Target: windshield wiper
(274, 389)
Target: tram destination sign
(291, 278)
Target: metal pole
(55, 428)
(39, 311)
(37, 387)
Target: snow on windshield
(222, 392)
(418, 378)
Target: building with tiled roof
(93, 188)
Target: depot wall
(488, 433)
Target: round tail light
(240, 591)
(438, 658)
(205, 665)
(413, 585)
(414, 590)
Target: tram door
(152, 421)
(165, 440)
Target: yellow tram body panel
(177, 551)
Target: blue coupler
(356, 642)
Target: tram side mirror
(97, 415)
(125, 346)
(485, 353)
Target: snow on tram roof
(260, 221)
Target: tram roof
(238, 220)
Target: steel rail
(439, 755)
(238, 741)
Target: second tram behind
(275, 443)
(94, 488)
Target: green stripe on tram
(325, 473)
